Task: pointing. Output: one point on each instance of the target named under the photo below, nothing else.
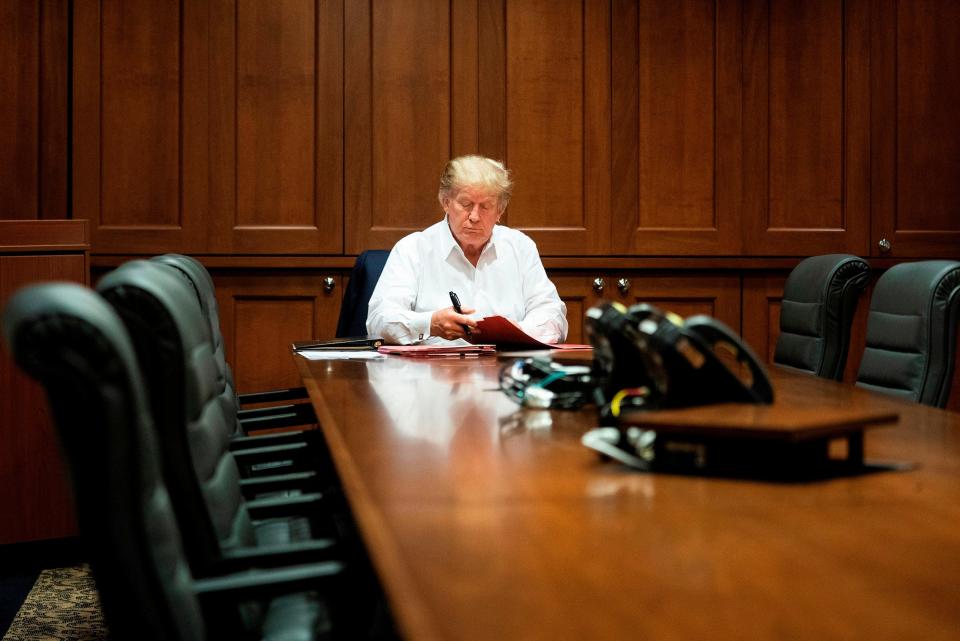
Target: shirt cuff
(421, 326)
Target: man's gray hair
(476, 172)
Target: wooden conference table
(487, 521)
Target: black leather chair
(912, 332)
(201, 472)
(285, 415)
(819, 301)
(290, 448)
(74, 344)
(356, 298)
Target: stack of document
(354, 348)
(349, 343)
(438, 351)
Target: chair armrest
(322, 515)
(281, 419)
(303, 481)
(238, 443)
(278, 556)
(302, 409)
(261, 584)
(272, 396)
(274, 459)
(251, 455)
(285, 506)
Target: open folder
(504, 334)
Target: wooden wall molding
(31, 236)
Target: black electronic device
(646, 357)
(542, 383)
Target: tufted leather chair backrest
(171, 339)
(819, 301)
(73, 343)
(201, 283)
(912, 330)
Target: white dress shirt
(424, 267)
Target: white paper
(334, 355)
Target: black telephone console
(647, 359)
(668, 362)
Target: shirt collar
(448, 243)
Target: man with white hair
(493, 269)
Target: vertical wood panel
(276, 127)
(928, 95)
(492, 80)
(275, 113)
(19, 60)
(762, 294)
(139, 162)
(465, 90)
(330, 125)
(557, 122)
(140, 134)
(34, 55)
(916, 149)
(85, 163)
(398, 109)
(806, 95)
(54, 109)
(676, 123)
(545, 105)
(263, 331)
(411, 110)
(34, 490)
(806, 121)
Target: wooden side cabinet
(35, 497)
(685, 294)
(263, 312)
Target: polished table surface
(487, 521)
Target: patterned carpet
(62, 606)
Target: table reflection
(433, 400)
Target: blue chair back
(363, 279)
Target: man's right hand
(447, 323)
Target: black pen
(456, 307)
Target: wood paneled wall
(318, 127)
(301, 132)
